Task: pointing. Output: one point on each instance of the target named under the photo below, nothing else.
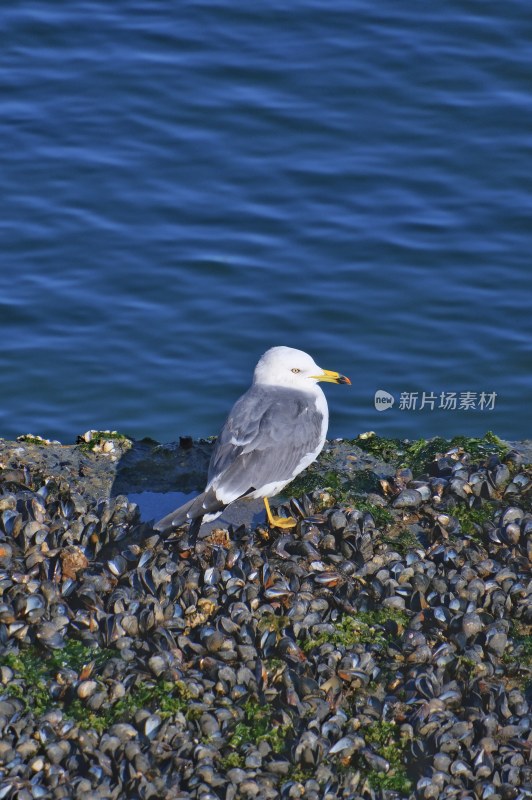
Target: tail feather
(192, 511)
(175, 518)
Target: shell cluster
(106, 443)
(362, 655)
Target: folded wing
(266, 437)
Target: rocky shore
(382, 649)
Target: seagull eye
(296, 370)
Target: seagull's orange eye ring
(296, 370)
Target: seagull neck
(310, 388)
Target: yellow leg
(278, 522)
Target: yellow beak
(331, 377)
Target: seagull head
(286, 366)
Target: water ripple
(184, 187)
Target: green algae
(273, 622)
(162, 697)
(28, 667)
(312, 479)
(380, 514)
(259, 725)
(520, 653)
(35, 671)
(386, 449)
(402, 541)
(364, 627)
(385, 740)
(99, 437)
(344, 489)
(232, 760)
(351, 490)
(388, 743)
(419, 454)
(38, 440)
(471, 519)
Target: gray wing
(264, 439)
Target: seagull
(273, 432)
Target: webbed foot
(285, 523)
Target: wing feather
(267, 434)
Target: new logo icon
(383, 400)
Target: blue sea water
(184, 185)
